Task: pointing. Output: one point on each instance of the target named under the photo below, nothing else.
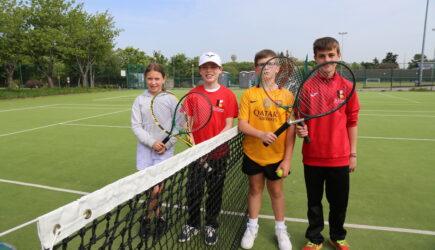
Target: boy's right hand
(268, 137)
(302, 131)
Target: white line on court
(94, 105)
(270, 217)
(396, 138)
(18, 227)
(108, 98)
(401, 98)
(94, 125)
(27, 108)
(43, 187)
(399, 111)
(407, 115)
(61, 123)
(359, 226)
(77, 107)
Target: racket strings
(321, 94)
(160, 108)
(194, 112)
(280, 73)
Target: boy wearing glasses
(258, 118)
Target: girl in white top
(150, 149)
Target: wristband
(353, 155)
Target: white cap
(210, 57)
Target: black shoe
(211, 236)
(145, 225)
(161, 227)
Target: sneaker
(340, 244)
(283, 238)
(249, 237)
(211, 236)
(311, 246)
(161, 226)
(145, 224)
(187, 232)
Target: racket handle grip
(166, 139)
(307, 139)
(279, 131)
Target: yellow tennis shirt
(260, 112)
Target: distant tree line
(54, 39)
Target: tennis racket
(327, 88)
(279, 73)
(162, 104)
(192, 112)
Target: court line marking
(61, 123)
(390, 115)
(80, 108)
(27, 184)
(94, 104)
(27, 108)
(271, 217)
(95, 125)
(401, 98)
(398, 111)
(115, 97)
(396, 138)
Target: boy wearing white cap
(225, 109)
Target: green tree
(413, 64)
(159, 58)
(181, 66)
(13, 37)
(91, 40)
(131, 55)
(389, 62)
(376, 62)
(47, 40)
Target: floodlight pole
(433, 65)
(420, 79)
(342, 43)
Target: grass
(392, 186)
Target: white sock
(253, 222)
(280, 225)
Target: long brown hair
(158, 68)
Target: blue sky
(243, 27)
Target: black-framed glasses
(266, 64)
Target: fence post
(391, 79)
(365, 77)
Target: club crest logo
(220, 103)
(340, 94)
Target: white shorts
(146, 157)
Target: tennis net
(131, 214)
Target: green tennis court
(55, 149)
